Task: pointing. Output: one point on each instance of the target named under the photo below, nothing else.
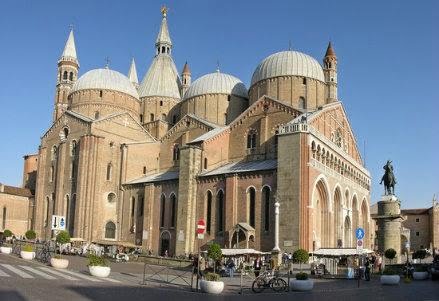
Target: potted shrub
(420, 273)
(27, 252)
(6, 248)
(389, 277)
(30, 235)
(302, 281)
(211, 282)
(57, 261)
(98, 266)
(390, 254)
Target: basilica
(140, 162)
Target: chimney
(2, 187)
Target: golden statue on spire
(164, 11)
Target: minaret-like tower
(163, 42)
(330, 71)
(132, 74)
(185, 79)
(68, 66)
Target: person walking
(367, 271)
(257, 264)
(231, 267)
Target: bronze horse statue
(388, 179)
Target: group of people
(228, 266)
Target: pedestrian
(380, 263)
(367, 271)
(257, 266)
(231, 267)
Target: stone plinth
(389, 225)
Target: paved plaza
(31, 280)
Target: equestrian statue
(388, 179)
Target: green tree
(421, 254)
(390, 254)
(30, 234)
(63, 237)
(300, 256)
(214, 252)
(7, 233)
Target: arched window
(209, 212)
(65, 74)
(302, 103)
(111, 197)
(46, 211)
(141, 206)
(51, 173)
(71, 76)
(71, 217)
(4, 218)
(53, 203)
(176, 153)
(163, 49)
(205, 163)
(96, 114)
(67, 210)
(100, 93)
(54, 153)
(144, 170)
(251, 206)
(162, 211)
(251, 139)
(304, 81)
(133, 210)
(66, 132)
(163, 117)
(151, 117)
(73, 148)
(110, 230)
(220, 211)
(161, 103)
(141, 117)
(109, 171)
(266, 200)
(173, 210)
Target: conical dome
(162, 79)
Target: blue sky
(388, 65)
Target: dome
(217, 82)
(105, 79)
(288, 63)
(161, 79)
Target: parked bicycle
(268, 280)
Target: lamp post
(276, 255)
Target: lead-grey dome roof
(162, 79)
(105, 79)
(288, 63)
(217, 82)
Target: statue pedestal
(389, 220)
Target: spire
(163, 38)
(69, 52)
(330, 51)
(132, 73)
(186, 69)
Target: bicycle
(268, 280)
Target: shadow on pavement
(11, 296)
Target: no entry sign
(201, 226)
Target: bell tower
(68, 66)
(185, 79)
(330, 72)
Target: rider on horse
(388, 179)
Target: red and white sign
(359, 242)
(359, 246)
(201, 226)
